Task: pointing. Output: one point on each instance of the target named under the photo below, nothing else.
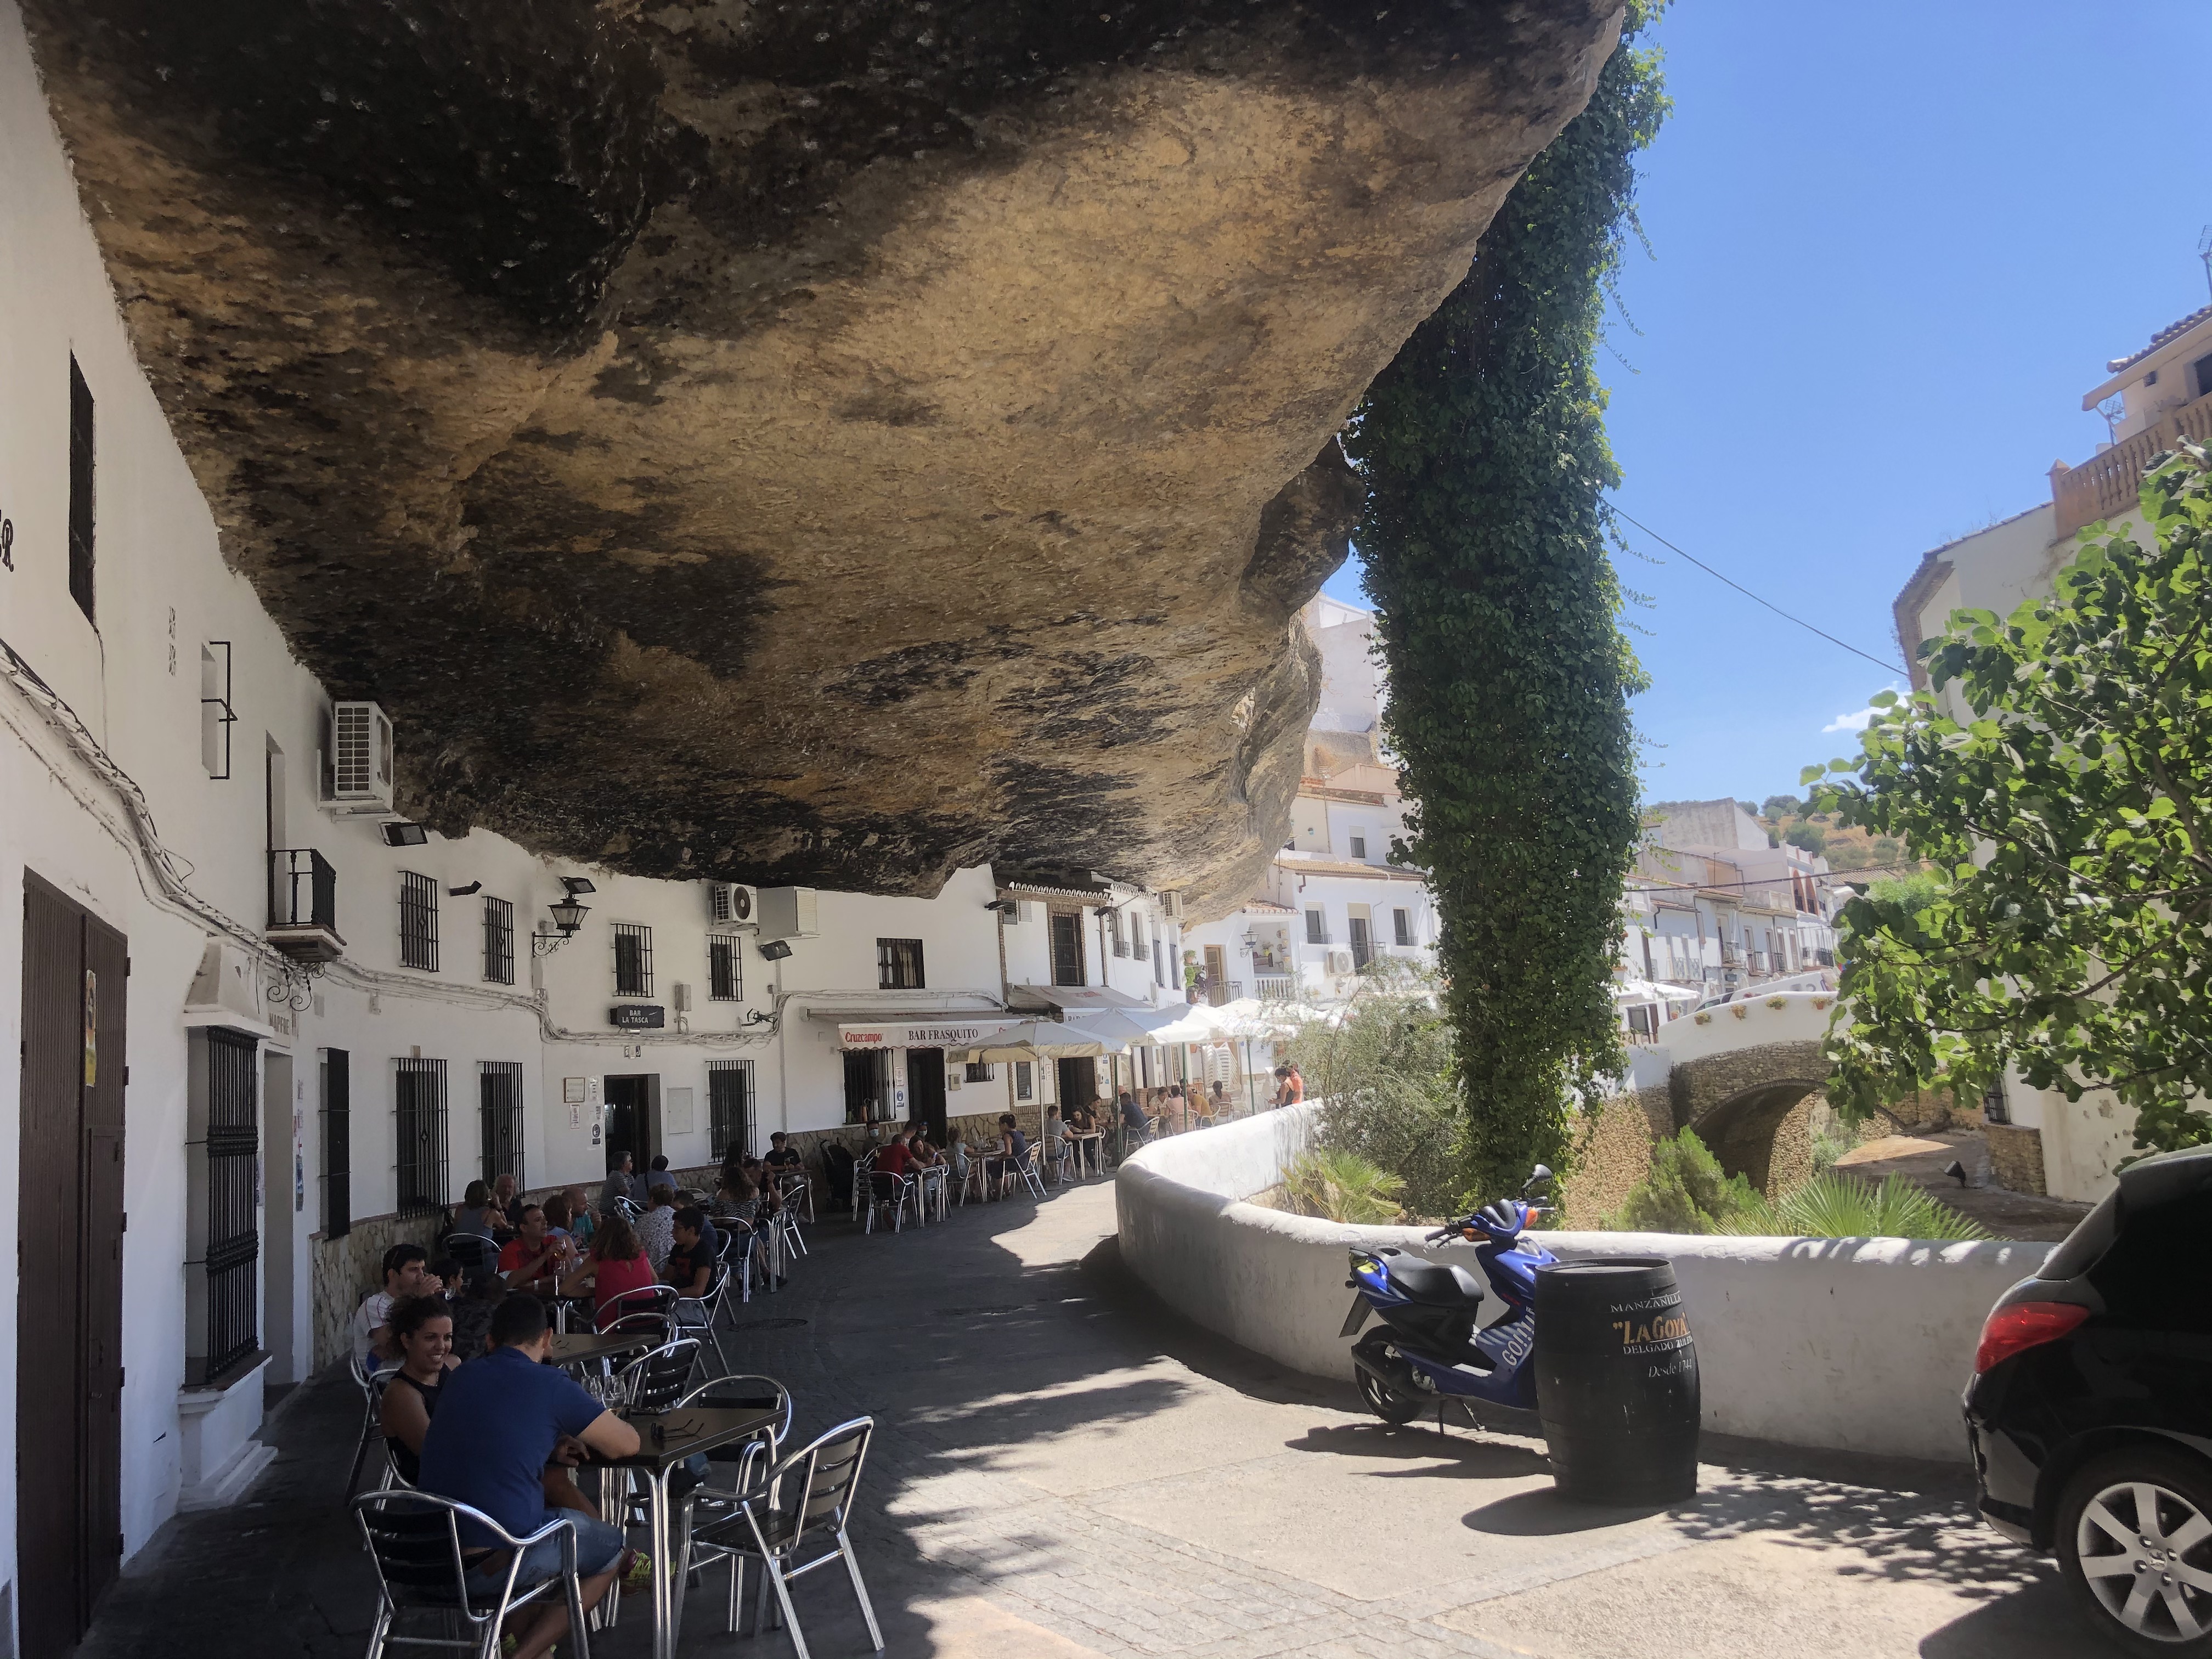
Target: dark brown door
(69, 1335)
(925, 1091)
(1066, 948)
(1078, 1082)
(634, 1120)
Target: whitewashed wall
(1853, 1345)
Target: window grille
(1401, 924)
(499, 1091)
(1120, 936)
(729, 1107)
(1359, 847)
(632, 960)
(80, 491)
(1995, 1108)
(337, 1142)
(418, 921)
(1159, 961)
(898, 964)
(1024, 1079)
(1067, 947)
(234, 1236)
(980, 1070)
(419, 1098)
(499, 941)
(725, 969)
(1316, 927)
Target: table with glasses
(582, 1347)
(667, 1439)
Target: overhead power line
(1878, 662)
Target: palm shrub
(1340, 1186)
(1833, 1206)
(1686, 1192)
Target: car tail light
(2022, 1325)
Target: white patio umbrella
(1645, 990)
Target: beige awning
(1077, 999)
(913, 1031)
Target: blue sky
(1894, 245)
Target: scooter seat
(1434, 1285)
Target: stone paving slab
(1063, 1470)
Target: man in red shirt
(894, 1157)
(533, 1258)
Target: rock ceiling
(825, 443)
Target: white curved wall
(1857, 1345)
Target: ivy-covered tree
(2073, 814)
(1485, 535)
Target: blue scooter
(1428, 1349)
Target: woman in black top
(423, 1330)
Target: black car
(2090, 1412)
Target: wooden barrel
(1617, 1381)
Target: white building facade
(268, 1028)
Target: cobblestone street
(1064, 1470)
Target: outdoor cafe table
(580, 1347)
(683, 1433)
(1094, 1138)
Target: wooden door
(925, 1091)
(68, 1384)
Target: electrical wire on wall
(170, 890)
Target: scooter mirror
(1537, 1177)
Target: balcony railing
(1275, 988)
(1221, 992)
(2108, 484)
(303, 904)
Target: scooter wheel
(1385, 1402)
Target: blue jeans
(598, 1546)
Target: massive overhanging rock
(806, 443)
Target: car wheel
(2134, 1540)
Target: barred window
(1024, 1079)
(499, 941)
(1120, 936)
(419, 1100)
(980, 1070)
(418, 921)
(898, 964)
(632, 960)
(724, 972)
(499, 1107)
(729, 1107)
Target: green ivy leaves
(1485, 535)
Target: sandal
(635, 1573)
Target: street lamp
(567, 917)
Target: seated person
(893, 1157)
(509, 1197)
(476, 1213)
(660, 1175)
(534, 1257)
(1217, 1100)
(499, 1422)
(423, 1330)
(921, 1155)
(1133, 1115)
(472, 1310)
(691, 1263)
(406, 1273)
(1013, 1149)
(780, 1154)
(1081, 1118)
(581, 1223)
(656, 1228)
(1054, 1129)
(737, 1196)
(621, 1183)
(614, 1266)
(557, 1217)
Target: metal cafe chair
(793, 1190)
(806, 1498)
(413, 1538)
(653, 1382)
(632, 1310)
(973, 1179)
(477, 1253)
(897, 1192)
(372, 1385)
(1063, 1161)
(699, 1313)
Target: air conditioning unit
(786, 913)
(360, 762)
(1171, 905)
(1340, 962)
(729, 903)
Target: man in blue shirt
(499, 1420)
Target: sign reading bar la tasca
(638, 1017)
